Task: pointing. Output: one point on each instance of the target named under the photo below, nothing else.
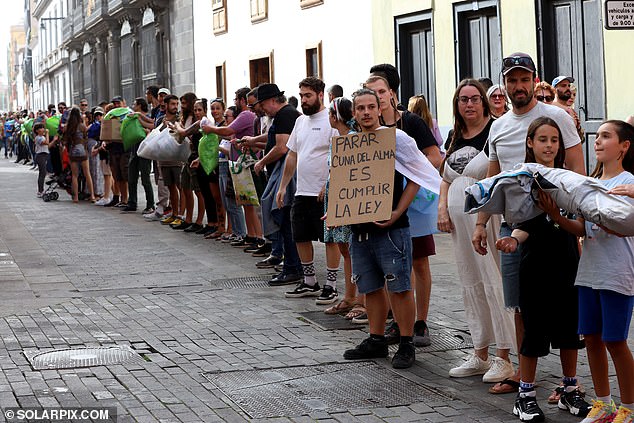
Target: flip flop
(342, 307)
(356, 311)
(507, 386)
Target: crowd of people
(513, 299)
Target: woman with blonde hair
(496, 95)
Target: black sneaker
(204, 230)
(128, 209)
(405, 357)
(573, 402)
(285, 279)
(368, 348)
(328, 295)
(241, 242)
(269, 262)
(263, 251)
(181, 226)
(392, 333)
(526, 409)
(194, 228)
(421, 334)
(254, 246)
(303, 290)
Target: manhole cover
(246, 282)
(328, 321)
(82, 357)
(338, 387)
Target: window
(221, 81)
(415, 57)
(479, 49)
(305, 4)
(261, 70)
(313, 61)
(148, 54)
(219, 10)
(259, 10)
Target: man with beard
(308, 154)
(507, 147)
(564, 93)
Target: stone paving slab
(87, 276)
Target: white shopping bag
(162, 145)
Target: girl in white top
(606, 283)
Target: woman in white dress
(466, 162)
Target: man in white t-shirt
(507, 147)
(308, 154)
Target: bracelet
(484, 225)
(516, 240)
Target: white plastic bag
(161, 145)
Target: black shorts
(306, 214)
(550, 314)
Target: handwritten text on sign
(361, 177)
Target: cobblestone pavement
(85, 276)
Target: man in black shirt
(382, 257)
(273, 103)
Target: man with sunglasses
(507, 148)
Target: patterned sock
(309, 273)
(570, 383)
(526, 387)
(331, 277)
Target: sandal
(357, 311)
(555, 395)
(507, 386)
(343, 307)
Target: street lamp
(42, 26)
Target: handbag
(248, 186)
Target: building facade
(15, 57)
(246, 43)
(51, 71)
(119, 47)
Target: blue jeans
(234, 212)
(380, 259)
(5, 144)
(510, 269)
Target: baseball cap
(98, 110)
(117, 99)
(164, 91)
(561, 78)
(518, 60)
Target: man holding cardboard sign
(381, 250)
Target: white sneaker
(500, 370)
(473, 366)
(39, 194)
(102, 201)
(154, 216)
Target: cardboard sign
(619, 14)
(110, 130)
(361, 177)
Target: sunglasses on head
(509, 62)
(547, 98)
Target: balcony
(78, 19)
(97, 13)
(115, 6)
(67, 29)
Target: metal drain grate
(444, 340)
(328, 321)
(295, 391)
(82, 357)
(246, 282)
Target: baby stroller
(63, 181)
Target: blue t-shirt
(607, 261)
(8, 127)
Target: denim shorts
(510, 269)
(382, 258)
(606, 312)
